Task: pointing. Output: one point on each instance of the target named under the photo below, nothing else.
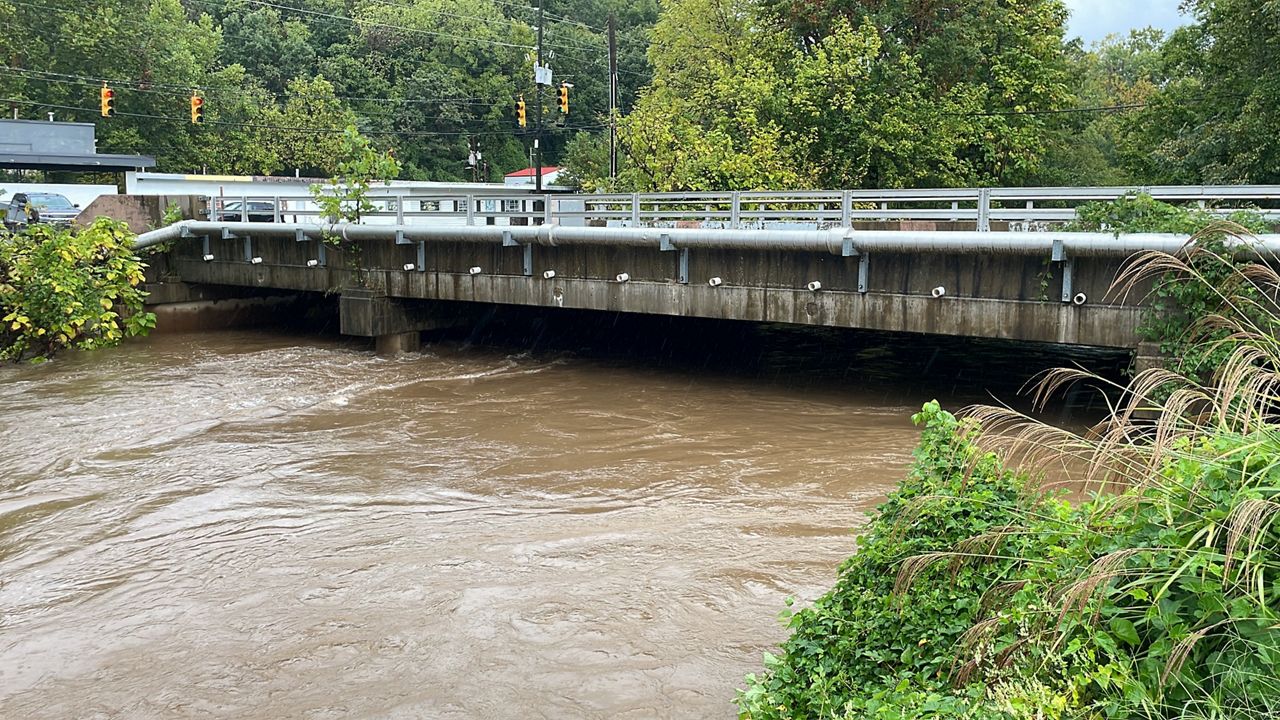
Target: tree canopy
(282, 79)
(795, 93)
(714, 94)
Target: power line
(1059, 111)
(357, 21)
(175, 89)
(362, 113)
(283, 128)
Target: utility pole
(537, 140)
(474, 157)
(613, 98)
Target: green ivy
(62, 288)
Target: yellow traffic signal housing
(107, 101)
(521, 114)
(564, 98)
(197, 110)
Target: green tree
(1213, 120)
(586, 163)
(712, 117)
(943, 94)
(234, 142)
(1097, 146)
(900, 93)
(301, 133)
(273, 50)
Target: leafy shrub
(1155, 602)
(69, 289)
(1141, 213)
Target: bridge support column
(395, 324)
(1149, 356)
(399, 343)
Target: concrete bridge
(807, 262)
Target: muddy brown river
(275, 524)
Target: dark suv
(258, 211)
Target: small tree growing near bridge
(346, 197)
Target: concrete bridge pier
(395, 324)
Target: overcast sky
(1095, 19)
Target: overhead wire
(285, 128)
(159, 88)
(359, 21)
(176, 88)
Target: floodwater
(278, 524)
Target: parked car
(25, 209)
(258, 211)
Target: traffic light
(521, 116)
(107, 100)
(564, 97)
(197, 109)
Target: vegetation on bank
(981, 591)
(1180, 301)
(69, 289)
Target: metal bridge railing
(1022, 208)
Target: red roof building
(525, 178)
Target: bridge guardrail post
(735, 210)
(471, 209)
(635, 209)
(846, 208)
(682, 257)
(984, 210)
(1068, 267)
